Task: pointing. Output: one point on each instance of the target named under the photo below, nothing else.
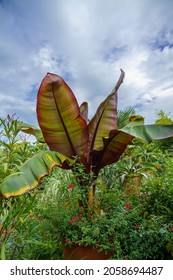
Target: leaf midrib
(62, 121)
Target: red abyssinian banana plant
(65, 128)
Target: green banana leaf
(105, 119)
(135, 120)
(30, 129)
(116, 143)
(32, 172)
(151, 132)
(59, 117)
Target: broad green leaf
(59, 117)
(135, 120)
(30, 129)
(116, 143)
(32, 172)
(105, 119)
(149, 133)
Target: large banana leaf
(116, 143)
(151, 132)
(113, 148)
(84, 111)
(105, 118)
(30, 129)
(31, 173)
(135, 120)
(59, 117)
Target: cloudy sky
(87, 42)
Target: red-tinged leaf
(62, 125)
(32, 172)
(84, 111)
(113, 148)
(105, 119)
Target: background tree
(124, 116)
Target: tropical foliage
(88, 211)
(142, 224)
(72, 139)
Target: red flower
(70, 187)
(67, 241)
(127, 206)
(138, 227)
(126, 258)
(75, 219)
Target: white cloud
(87, 42)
